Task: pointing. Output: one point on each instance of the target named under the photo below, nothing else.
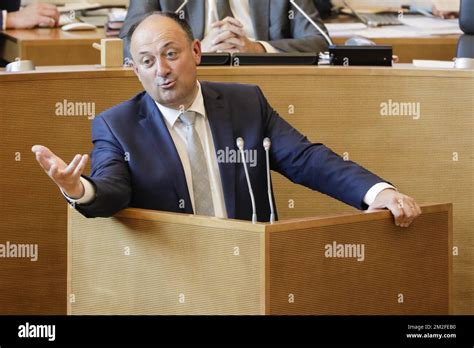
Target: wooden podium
(149, 262)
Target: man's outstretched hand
(67, 177)
(403, 208)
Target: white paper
(117, 15)
(426, 23)
(344, 29)
(434, 64)
(77, 6)
(414, 26)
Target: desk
(51, 46)
(430, 158)
(56, 47)
(410, 48)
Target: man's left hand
(403, 208)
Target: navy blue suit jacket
(135, 162)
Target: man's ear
(197, 53)
(134, 67)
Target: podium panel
(156, 263)
(371, 267)
(164, 265)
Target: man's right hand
(67, 177)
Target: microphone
(266, 145)
(313, 23)
(240, 145)
(359, 41)
(185, 2)
(360, 54)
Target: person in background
(36, 14)
(245, 26)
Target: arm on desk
(36, 14)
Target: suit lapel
(260, 14)
(220, 121)
(195, 16)
(163, 147)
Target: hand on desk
(403, 208)
(36, 14)
(444, 15)
(67, 177)
(228, 35)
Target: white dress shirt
(241, 11)
(4, 19)
(201, 125)
(179, 138)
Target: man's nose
(162, 68)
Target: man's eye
(147, 61)
(171, 54)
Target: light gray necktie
(201, 185)
(223, 9)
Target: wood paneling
(400, 272)
(47, 47)
(145, 262)
(334, 105)
(139, 266)
(56, 47)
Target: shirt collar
(172, 115)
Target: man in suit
(162, 149)
(465, 47)
(36, 14)
(247, 26)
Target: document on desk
(359, 29)
(414, 26)
(393, 31)
(77, 6)
(433, 64)
(432, 26)
(344, 29)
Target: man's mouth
(168, 85)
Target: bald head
(165, 58)
(154, 17)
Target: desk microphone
(313, 23)
(240, 145)
(266, 145)
(362, 53)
